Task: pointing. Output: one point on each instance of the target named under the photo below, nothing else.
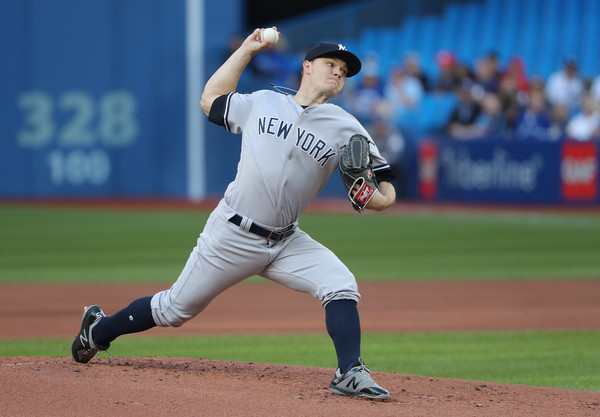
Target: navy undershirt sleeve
(384, 173)
(217, 111)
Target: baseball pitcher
(291, 144)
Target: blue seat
(409, 31)
(549, 57)
(434, 112)
(450, 25)
(508, 25)
(430, 33)
(369, 39)
(528, 46)
(542, 32)
(589, 63)
(389, 53)
(489, 25)
(470, 16)
(571, 21)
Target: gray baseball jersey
(288, 154)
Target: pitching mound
(194, 387)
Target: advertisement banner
(491, 171)
(428, 169)
(579, 171)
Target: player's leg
(134, 318)
(212, 267)
(343, 326)
(305, 265)
(97, 330)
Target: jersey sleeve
(384, 173)
(217, 110)
(381, 168)
(231, 111)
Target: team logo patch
(365, 193)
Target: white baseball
(269, 34)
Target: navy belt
(273, 235)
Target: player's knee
(167, 318)
(346, 294)
(165, 313)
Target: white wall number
(77, 130)
(77, 167)
(111, 121)
(38, 129)
(118, 125)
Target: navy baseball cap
(335, 50)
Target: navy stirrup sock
(134, 318)
(343, 326)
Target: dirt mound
(198, 387)
(35, 311)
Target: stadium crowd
(490, 100)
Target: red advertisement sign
(428, 169)
(579, 171)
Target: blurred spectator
(507, 90)
(514, 80)
(464, 74)
(515, 75)
(534, 121)
(595, 89)
(512, 108)
(585, 125)
(494, 60)
(366, 102)
(532, 107)
(403, 92)
(391, 144)
(490, 122)
(536, 83)
(559, 117)
(486, 74)
(465, 112)
(370, 64)
(366, 97)
(514, 84)
(447, 80)
(412, 66)
(565, 86)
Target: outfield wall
(94, 94)
(94, 103)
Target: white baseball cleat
(358, 382)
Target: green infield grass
(552, 359)
(68, 245)
(61, 245)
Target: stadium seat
(541, 32)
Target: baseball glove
(356, 169)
